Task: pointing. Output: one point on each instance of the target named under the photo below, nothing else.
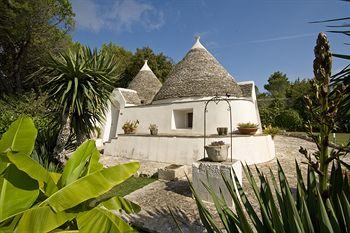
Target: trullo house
(177, 108)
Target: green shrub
(270, 130)
(289, 119)
(33, 199)
(29, 104)
(35, 106)
(267, 116)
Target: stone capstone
(210, 174)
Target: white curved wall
(186, 150)
(243, 110)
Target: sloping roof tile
(131, 97)
(198, 74)
(146, 84)
(246, 89)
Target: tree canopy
(29, 31)
(277, 84)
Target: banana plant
(33, 199)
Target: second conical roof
(198, 74)
(146, 84)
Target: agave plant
(281, 209)
(79, 83)
(33, 199)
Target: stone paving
(147, 168)
(156, 198)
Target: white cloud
(86, 15)
(120, 15)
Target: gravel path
(155, 198)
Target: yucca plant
(79, 84)
(319, 205)
(341, 26)
(32, 199)
(324, 115)
(281, 210)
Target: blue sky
(251, 39)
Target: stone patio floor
(156, 198)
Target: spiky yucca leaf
(80, 82)
(300, 211)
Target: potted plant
(130, 127)
(247, 128)
(153, 128)
(222, 130)
(217, 151)
(270, 130)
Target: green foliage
(130, 126)
(29, 31)
(267, 116)
(30, 104)
(280, 210)
(298, 89)
(343, 78)
(68, 201)
(35, 106)
(247, 125)
(271, 106)
(270, 130)
(123, 59)
(278, 85)
(289, 119)
(80, 83)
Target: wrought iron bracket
(217, 99)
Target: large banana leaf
(84, 179)
(100, 219)
(90, 186)
(18, 142)
(10, 225)
(120, 203)
(77, 163)
(94, 164)
(34, 170)
(42, 219)
(20, 137)
(18, 192)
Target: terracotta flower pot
(222, 130)
(217, 153)
(130, 131)
(248, 131)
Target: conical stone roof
(198, 74)
(146, 84)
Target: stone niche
(214, 169)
